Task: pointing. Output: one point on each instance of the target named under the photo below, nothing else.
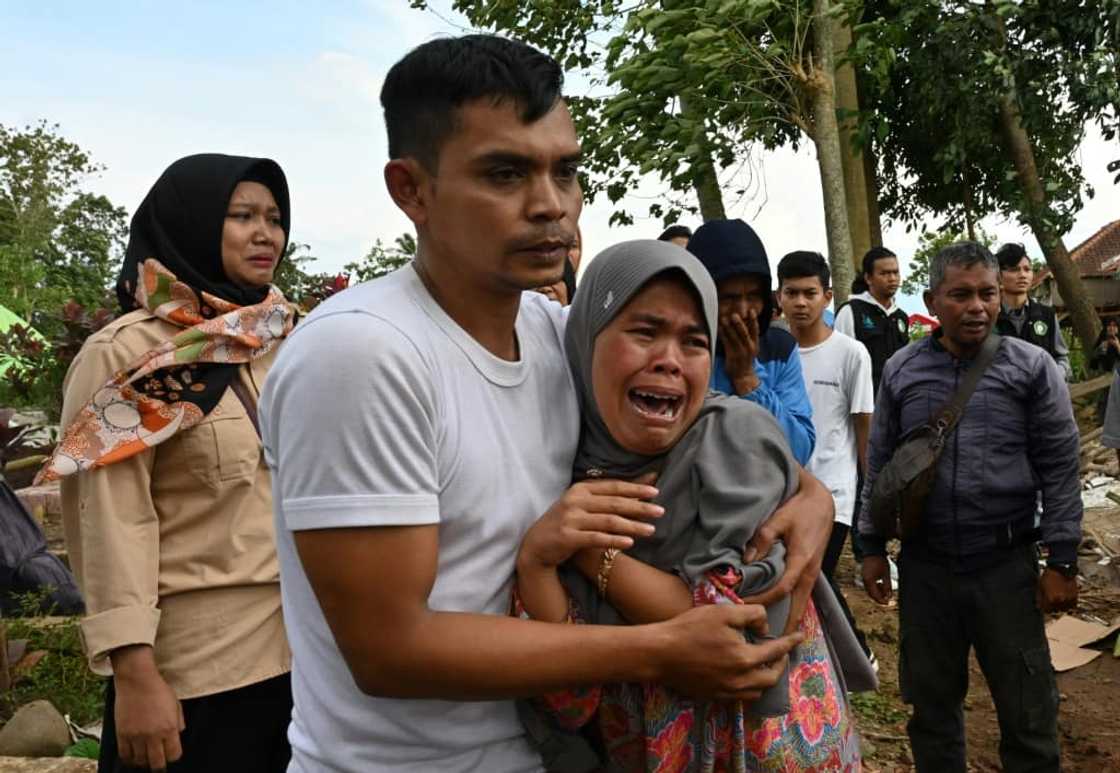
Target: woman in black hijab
(166, 497)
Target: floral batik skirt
(647, 728)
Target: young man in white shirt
(872, 318)
(837, 372)
(418, 425)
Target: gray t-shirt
(381, 410)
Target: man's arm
(1053, 440)
(880, 446)
(1061, 351)
(861, 403)
(844, 322)
(1052, 446)
(862, 424)
(373, 585)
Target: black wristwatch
(1069, 571)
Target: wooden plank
(1089, 387)
(1088, 438)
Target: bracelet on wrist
(606, 563)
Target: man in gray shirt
(969, 575)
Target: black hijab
(180, 221)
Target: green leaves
(58, 241)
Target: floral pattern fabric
(164, 391)
(647, 728)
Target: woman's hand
(148, 716)
(591, 514)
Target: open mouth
(655, 403)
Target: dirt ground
(1088, 719)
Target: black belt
(1004, 537)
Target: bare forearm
(642, 593)
(862, 423)
(542, 594)
(457, 656)
(134, 663)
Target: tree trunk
(830, 154)
(704, 179)
(855, 182)
(873, 215)
(1086, 323)
(969, 205)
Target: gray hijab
(728, 472)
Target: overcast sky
(140, 84)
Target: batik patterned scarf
(173, 386)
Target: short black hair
(872, 255)
(800, 264)
(423, 91)
(1009, 255)
(859, 285)
(675, 232)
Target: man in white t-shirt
(837, 372)
(418, 425)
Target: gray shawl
(725, 476)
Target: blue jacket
(781, 389)
(1017, 436)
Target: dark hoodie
(730, 248)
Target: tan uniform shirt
(174, 547)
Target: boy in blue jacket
(753, 359)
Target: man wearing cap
(754, 359)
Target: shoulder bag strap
(949, 416)
(247, 400)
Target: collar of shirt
(867, 296)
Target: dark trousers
(942, 615)
(239, 731)
(828, 569)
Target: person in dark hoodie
(754, 360)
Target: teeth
(653, 404)
(655, 396)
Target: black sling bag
(898, 496)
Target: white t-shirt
(838, 379)
(381, 410)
